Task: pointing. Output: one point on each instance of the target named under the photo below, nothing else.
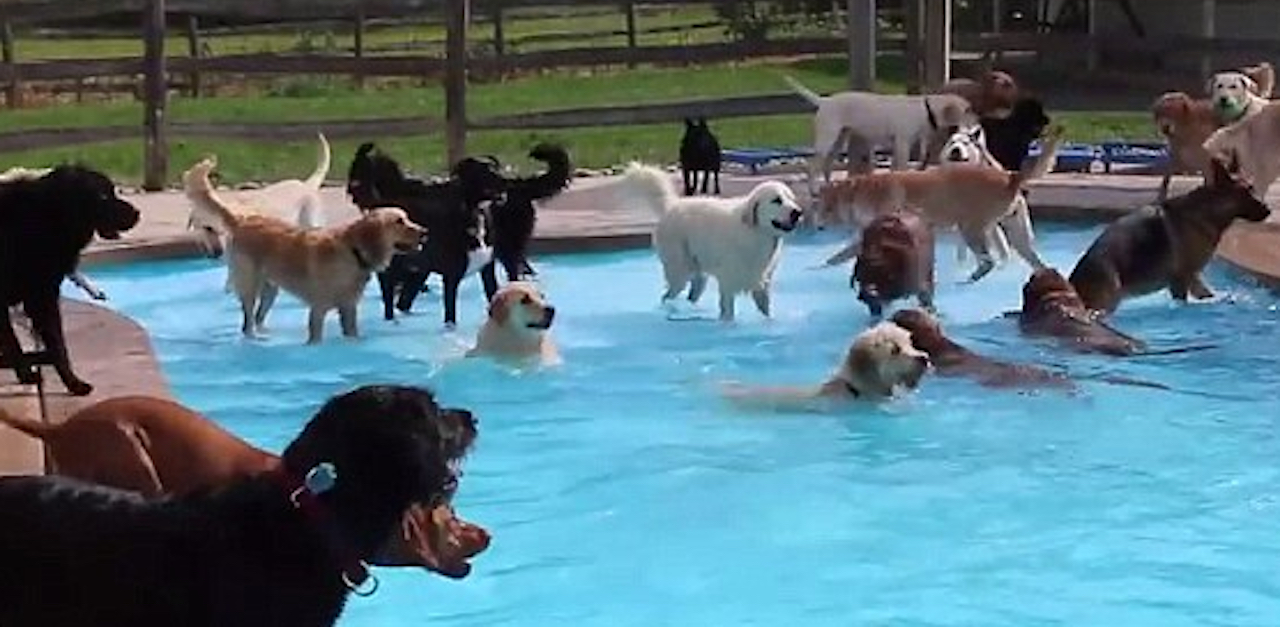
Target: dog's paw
(29, 376)
(79, 388)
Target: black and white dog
(699, 154)
(450, 210)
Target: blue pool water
(623, 491)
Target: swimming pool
(623, 491)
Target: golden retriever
(972, 198)
(880, 363)
(518, 325)
(326, 268)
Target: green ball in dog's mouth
(1229, 109)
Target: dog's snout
(955, 154)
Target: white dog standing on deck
(737, 240)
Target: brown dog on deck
(991, 96)
(953, 360)
(155, 446)
(1166, 245)
(1051, 307)
(895, 261)
(1185, 123)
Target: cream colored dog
(325, 268)
(1254, 144)
(737, 240)
(518, 326)
(1235, 96)
(859, 122)
(972, 198)
(880, 364)
(300, 198)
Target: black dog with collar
(449, 210)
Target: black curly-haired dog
(271, 549)
(45, 222)
(1009, 139)
(450, 211)
(699, 154)
(512, 220)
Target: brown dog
(1185, 123)
(970, 197)
(895, 261)
(953, 360)
(1051, 307)
(518, 325)
(155, 446)
(1166, 245)
(992, 95)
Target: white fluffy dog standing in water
(737, 240)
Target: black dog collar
(851, 390)
(928, 110)
(303, 495)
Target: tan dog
(1255, 144)
(879, 364)
(1185, 123)
(518, 325)
(325, 268)
(972, 198)
(156, 447)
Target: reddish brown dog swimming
(155, 446)
(895, 261)
(1051, 307)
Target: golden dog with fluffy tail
(970, 197)
(326, 268)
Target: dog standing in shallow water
(284, 548)
(325, 268)
(737, 240)
(699, 154)
(451, 211)
(1165, 246)
(45, 223)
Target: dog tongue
(440, 541)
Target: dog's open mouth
(790, 224)
(437, 540)
(408, 247)
(108, 233)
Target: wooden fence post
(193, 50)
(860, 24)
(13, 92)
(156, 155)
(630, 7)
(358, 45)
(499, 34)
(455, 80)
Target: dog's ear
(862, 367)
(499, 309)
(1208, 85)
(689, 122)
(752, 216)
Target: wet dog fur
(895, 261)
(518, 326)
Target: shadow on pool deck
(115, 354)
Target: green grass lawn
(303, 100)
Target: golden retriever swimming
(325, 268)
(518, 325)
(880, 363)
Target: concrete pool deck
(115, 354)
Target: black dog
(1009, 139)
(511, 221)
(45, 223)
(282, 548)
(699, 153)
(450, 211)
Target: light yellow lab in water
(881, 362)
(518, 326)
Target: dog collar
(928, 110)
(360, 260)
(303, 494)
(848, 387)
